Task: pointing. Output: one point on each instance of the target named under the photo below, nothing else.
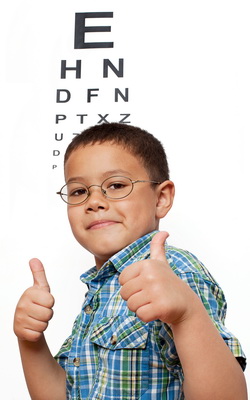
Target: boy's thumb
(157, 247)
(38, 273)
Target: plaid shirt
(111, 354)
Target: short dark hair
(137, 141)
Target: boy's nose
(96, 199)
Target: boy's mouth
(100, 224)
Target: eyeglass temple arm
(141, 180)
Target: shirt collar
(136, 251)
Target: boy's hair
(137, 141)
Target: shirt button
(76, 362)
(113, 339)
(88, 309)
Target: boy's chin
(106, 244)
(103, 254)
(106, 254)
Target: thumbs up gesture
(152, 290)
(34, 309)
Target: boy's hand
(34, 308)
(153, 291)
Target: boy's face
(104, 226)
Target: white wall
(186, 65)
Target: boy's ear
(165, 198)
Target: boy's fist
(34, 309)
(152, 290)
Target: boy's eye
(77, 192)
(116, 185)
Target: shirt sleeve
(214, 301)
(194, 273)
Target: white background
(187, 69)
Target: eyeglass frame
(103, 191)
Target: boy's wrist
(36, 345)
(194, 312)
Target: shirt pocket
(123, 354)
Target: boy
(151, 326)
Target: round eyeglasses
(114, 187)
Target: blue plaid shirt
(113, 355)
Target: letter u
(56, 137)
